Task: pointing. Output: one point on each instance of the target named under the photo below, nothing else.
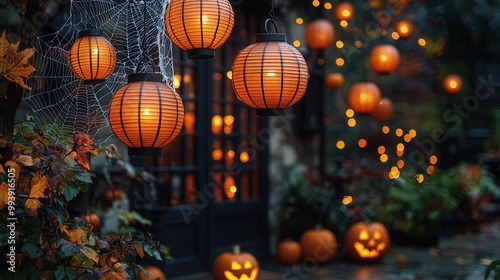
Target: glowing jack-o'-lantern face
(367, 241)
(235, 266)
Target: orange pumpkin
(319, 244)
(155, 272)
(235, 265)
(92, 219)
(289, 252)
(367, 241)
(113, 194)
(334, 80)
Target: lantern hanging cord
(271, 12)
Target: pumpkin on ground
(92, 219)
(367, 241)
(155, 272)
(235, 265)
(289, 252)
(319, 244)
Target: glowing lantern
(289, 252)
(404, 28)
(384, 58)
(235, 265)
(319, 34)
(364, 97)
(367, 241)
(199, 27)
(384, 110)
(269, 75)
(452, 83)
(334, 80)
(146, 114)
(344, 11)
(319, 244)
(92, 57)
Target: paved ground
(458, 257)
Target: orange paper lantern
(199, 27)
(404, 28)
(384, 58)
(146, 114)
(344, 11)
(334, 80)
(384, 110)
(319, 34)
(364, 97)
(92, 57)
(452, 83)
(269, 75)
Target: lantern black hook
(266, 25)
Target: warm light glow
(244, 157)
(299, 21)
(217, 154)
(216, 124)
(362, 143)
(296, 43)
(92, 57)
(189, 121)
(384, 58)
(343, 11)
(351, 122)
(339, 44)
(422, 42)
(381, 149)
(315, 3)
(400, 147)
(413, 133)
(400, 153)
(334, 80)
(433, 159)
(399, 132)
(199, 35)
(385, 129)
(407, 138)
(400, 163)
(229, 74)
(420, 178)
(363, 97)
(327, 6)
(339, 61)
(404, 28)
(230, 154)
(186, 79)
(395, 35)
(430, 169)
(349, 113)
(233, 189)
(452, 83)
(177, 81)
(344, 23)
(346, 200)
(340, 144)
(321, 61)
(358, 44)
(384, 157)
(228, 120)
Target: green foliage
(494, 269)
(48, 242)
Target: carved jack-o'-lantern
(367, 241)
(235, 266)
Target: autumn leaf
(75, 235)
(2, 170)
(64, 228)
(39, 185)
(4, 194)
(12, 165)
(139, 250)
(90, 253)
(14, 66)
(32, 205)
(25, 160)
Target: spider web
(58, 97)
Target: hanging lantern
(269, 75)
(146, 114)
(384, 58)
(384, 110)
(452, 83)
(92, 57)
(199, 27)
(344, 11)
(364, 97)
(334, 80)
(404, 28)
(319, 34)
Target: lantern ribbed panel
(197, 24)
(146, 114)
(384, 58)
(364, 97)
(269, 75)
(92, 58)
(319, 34)
(384, 110)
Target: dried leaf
(90, 253)
(32, 205)
(75, 235)
(64, 228)
(39, 185)
(14, 66)
(12, 165)
(139, 250)
(2, 170)
(4, 194)
(25, 160)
